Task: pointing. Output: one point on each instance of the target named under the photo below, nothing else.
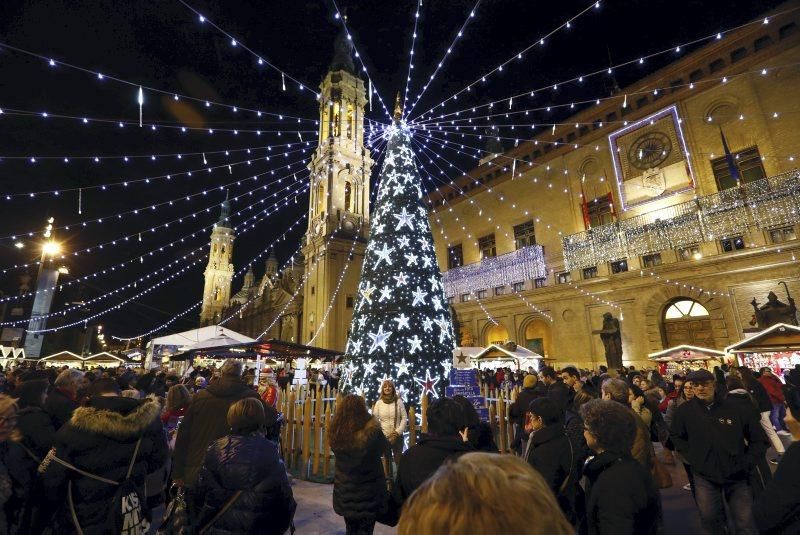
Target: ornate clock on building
(649, 150)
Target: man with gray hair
(206, 420)
(63, 399)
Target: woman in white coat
(391, 413)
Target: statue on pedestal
(775, 311)
(611, 336)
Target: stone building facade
(633, 206)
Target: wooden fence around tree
(308, 411)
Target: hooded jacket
(205, 422)
(419, 462)
(722, 441)
(359, 483)
(620, 496)
(100, 439)
(252, 464)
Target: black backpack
(127, 514)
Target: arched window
(337, 120)
(348, 192)
(496, 334)
(685, 321)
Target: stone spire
(225, 212)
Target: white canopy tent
(498, 355)
(204, 337)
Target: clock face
(650, 150)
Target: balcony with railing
(518, 266)
(761, 204)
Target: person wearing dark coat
(532, 388)
(205, 421)
(445, 439)
(761, 397)
(723, 444)
(557, 391)
(63, 399)
(99, 439)
(16, 474)
(761, 474)
(247, 461)
(479, 433)
(34, 425)
(620, 496)
(552, 454)
(360, 491)
(777, 509)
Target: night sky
(162, 44)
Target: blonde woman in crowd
(484, 493)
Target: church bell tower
(338, 205)
(219, 271)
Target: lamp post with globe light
(46, 282)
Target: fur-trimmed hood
(362, 436)
(116, 417)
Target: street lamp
(50, 248)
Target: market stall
(10, 355)
(159, 350)
(508, 355)
(776, 347)
(683, 358)
(103, 359)
(63, 358)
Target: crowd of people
(129, 451)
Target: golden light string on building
(149, 208)
(152, 229)
(408, 109)
(472, 293)
(539, 41)
(235, 108)
(638, 60)
(129, 299)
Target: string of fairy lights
(431, 129)
(141, 88)
(153, 207)
(243, 227)
(118, 306)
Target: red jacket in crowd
(773, 387)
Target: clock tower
(338, 211)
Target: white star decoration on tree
(386, 294)
(367, 293)
(403, 241)
(419, 297)
(415, 344)
(402, 322)
(411, 258)
(403, 218)
(384, 255)
(427, 324)
(428, 384)
(378, 339)
(402, 367)
(369, 367)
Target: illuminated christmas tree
(401, 328)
